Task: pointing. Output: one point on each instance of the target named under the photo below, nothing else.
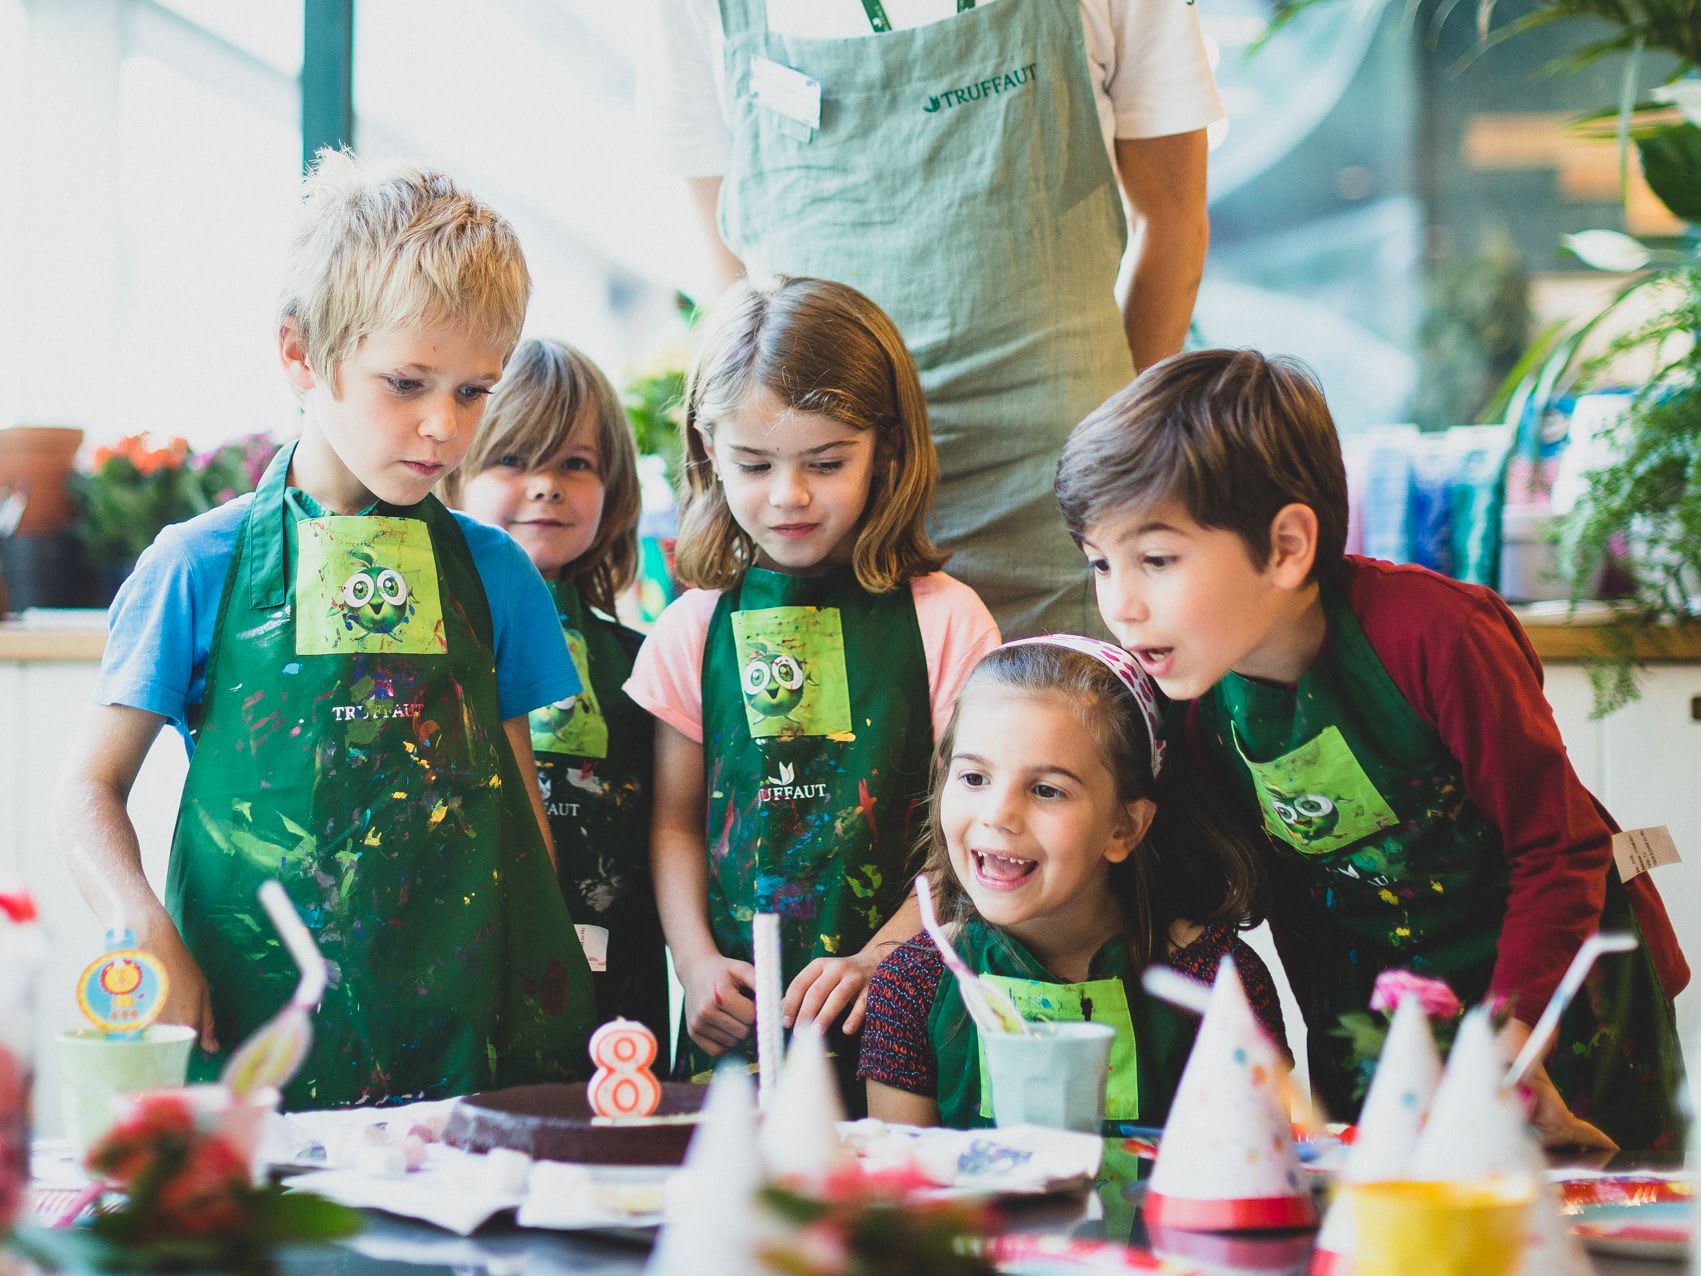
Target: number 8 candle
(623, 1085)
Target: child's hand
(186, 999)
(718, 1010)
(826, 988)
(1556, 1125)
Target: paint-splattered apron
(817, 731)
(351, 745)
(1146, 1059)
(594, 761)
(1382, 861)
(960, 178)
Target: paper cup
(1052, 1075)
(95, 1069)
(238, 1119)
(1439, 1228)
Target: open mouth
(1154, 660)
(1002, 872)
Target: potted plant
(137, 486)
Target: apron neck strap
(741, 16)
(268, 587)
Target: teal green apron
(958, 177)
(1146, 1059)
(1381, 860)
(350, 744)
(594, 761)
(817, 732)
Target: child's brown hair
(825, 348)
(549, 392)
(1232, 435)
(1194, 863)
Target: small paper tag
(1638, 850)
(594, 940)
(785, 91)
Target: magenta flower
(1433, 995)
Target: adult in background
(959, 161)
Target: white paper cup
(1052, 1075)
(95, 1069)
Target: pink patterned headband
(1127, 671)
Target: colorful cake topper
(123, 990)
(623, 1085)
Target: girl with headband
(1067, 853)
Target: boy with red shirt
(1386, 726)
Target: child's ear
(708, 449)
(1131, 829)
(292, 352)
(1293, 545)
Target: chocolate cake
(555, 1123)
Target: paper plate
(1660, 1229)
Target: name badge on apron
(790, 94)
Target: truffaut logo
(785, 788)
(981, 89)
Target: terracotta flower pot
(38, 459)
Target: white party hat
(1476, 1129)
(1388, 1125)
(712, 1224)
(1549, 1247)
(1227, 1160)
(800, 1123)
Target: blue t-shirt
(160, 627)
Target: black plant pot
(44, 571)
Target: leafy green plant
(134, 488)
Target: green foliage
(134, 489)
(1671, 163)
(1476, 324)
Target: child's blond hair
(384, 246)
(825, 348)
(549, 393)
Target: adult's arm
(1163, 179)
(705, 198)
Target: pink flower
(1392, 986)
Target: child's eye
(579, 463)
(509, 461)
(827, 467)
(1048, 791)
(1157, 562)
(1098, 566)
(404, 385)
(970, 779)
(751, 467)
(473, 393)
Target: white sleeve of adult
(682, 103)
(1160, 78)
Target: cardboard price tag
(1638, 850)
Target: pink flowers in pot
(1393, 986)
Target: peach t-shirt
(667, 678)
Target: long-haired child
(1069, 851)
(555, 467)
(799, 687)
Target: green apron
(594, 761)
(958, 177)
(1381, 860)
(1146, 1059)
(817, 732)
(350, 744)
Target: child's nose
(442, 420)
(1122, 599)
(788, 490)
(541, 486)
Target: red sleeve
(1460, 658)
(896, 1050)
